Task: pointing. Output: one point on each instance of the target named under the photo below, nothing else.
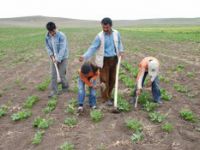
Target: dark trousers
(107, 75)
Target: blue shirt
(59, 44)
(109, 46)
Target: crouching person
(87, 76)
(148, 66)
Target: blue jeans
(81, 93)
(155, 88)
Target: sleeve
(93, 48)
(63, 48)
(140, 77)
(120, 45)
(85, 80)
(49, 51)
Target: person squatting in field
(107, 46)
(148, 66)
(87, 76)
(57, 49)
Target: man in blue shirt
(107, 46)
(57, 49)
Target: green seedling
(187, 115)
(165, 95)
(21, 115)
(96, 115)
(51, 105)
(150, 106)
(38, 137)
(3, 110)
(134, 125)
(71, 107)
(179, 68)
(71, 122)
(42, 123)
(127, 80)
(123, 105)
(136, 137)
(144, 98)
(164, 79)
(156, 117)
(190, 74)
(180, 88)
(31, 100)
(44, 85)
(167, 127)
(67, 146)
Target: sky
(97, 9)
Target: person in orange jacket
(87, 75)
(148, 66)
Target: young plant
(41, 123)
(187, 115)
(51, 105)
(156, 117)
(134, 125)
(3, 110)
(38, 137)
(71, 107)
(167, 127)
(123, 105)
(67, 146)
(165, 95)
(190, 74)
(179, 68)
(136, 137)
(31, 100)
(96, 115)
(150, 106)
(71, 122)
(144, 98)
(21, 115)
(180, 88)
(44, 85)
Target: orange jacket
(86, 78)
(143, 67)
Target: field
(29, 121)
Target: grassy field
(24, 74)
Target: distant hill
(40, 21)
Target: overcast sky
(97, 9)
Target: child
(87, 75)
(148, 66)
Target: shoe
(80, 109)
(52, 94)
(132, 100)
(109, 103)
(94, 107)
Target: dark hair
(86, 68)
(106, 21)
(51, 26)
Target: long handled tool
(116, 86)
(57, 72)
(136, 101)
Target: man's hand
(121, 54)
(138, 92)
(53, 59)
(81, 58)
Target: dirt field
(24, 64)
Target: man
(57, 48)
(107, 46)
(148, 66)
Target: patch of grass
(71, 107)
(96, 115)
(167, 127)
(67, 146)
(156, 117)
(71, 122)
(123, 105)
(144, 98)
(3, 110)
(190, 74)
(51, 105)
(150, 106)
(188, 115)
(42, 123)
(43, 85)
(179, 68)
(21, 115)
(127, 81)
(31, 100)
(136, 137)
(165, 95)
(38, 137)
(180, 88)
(164, 79)
(134, 125)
